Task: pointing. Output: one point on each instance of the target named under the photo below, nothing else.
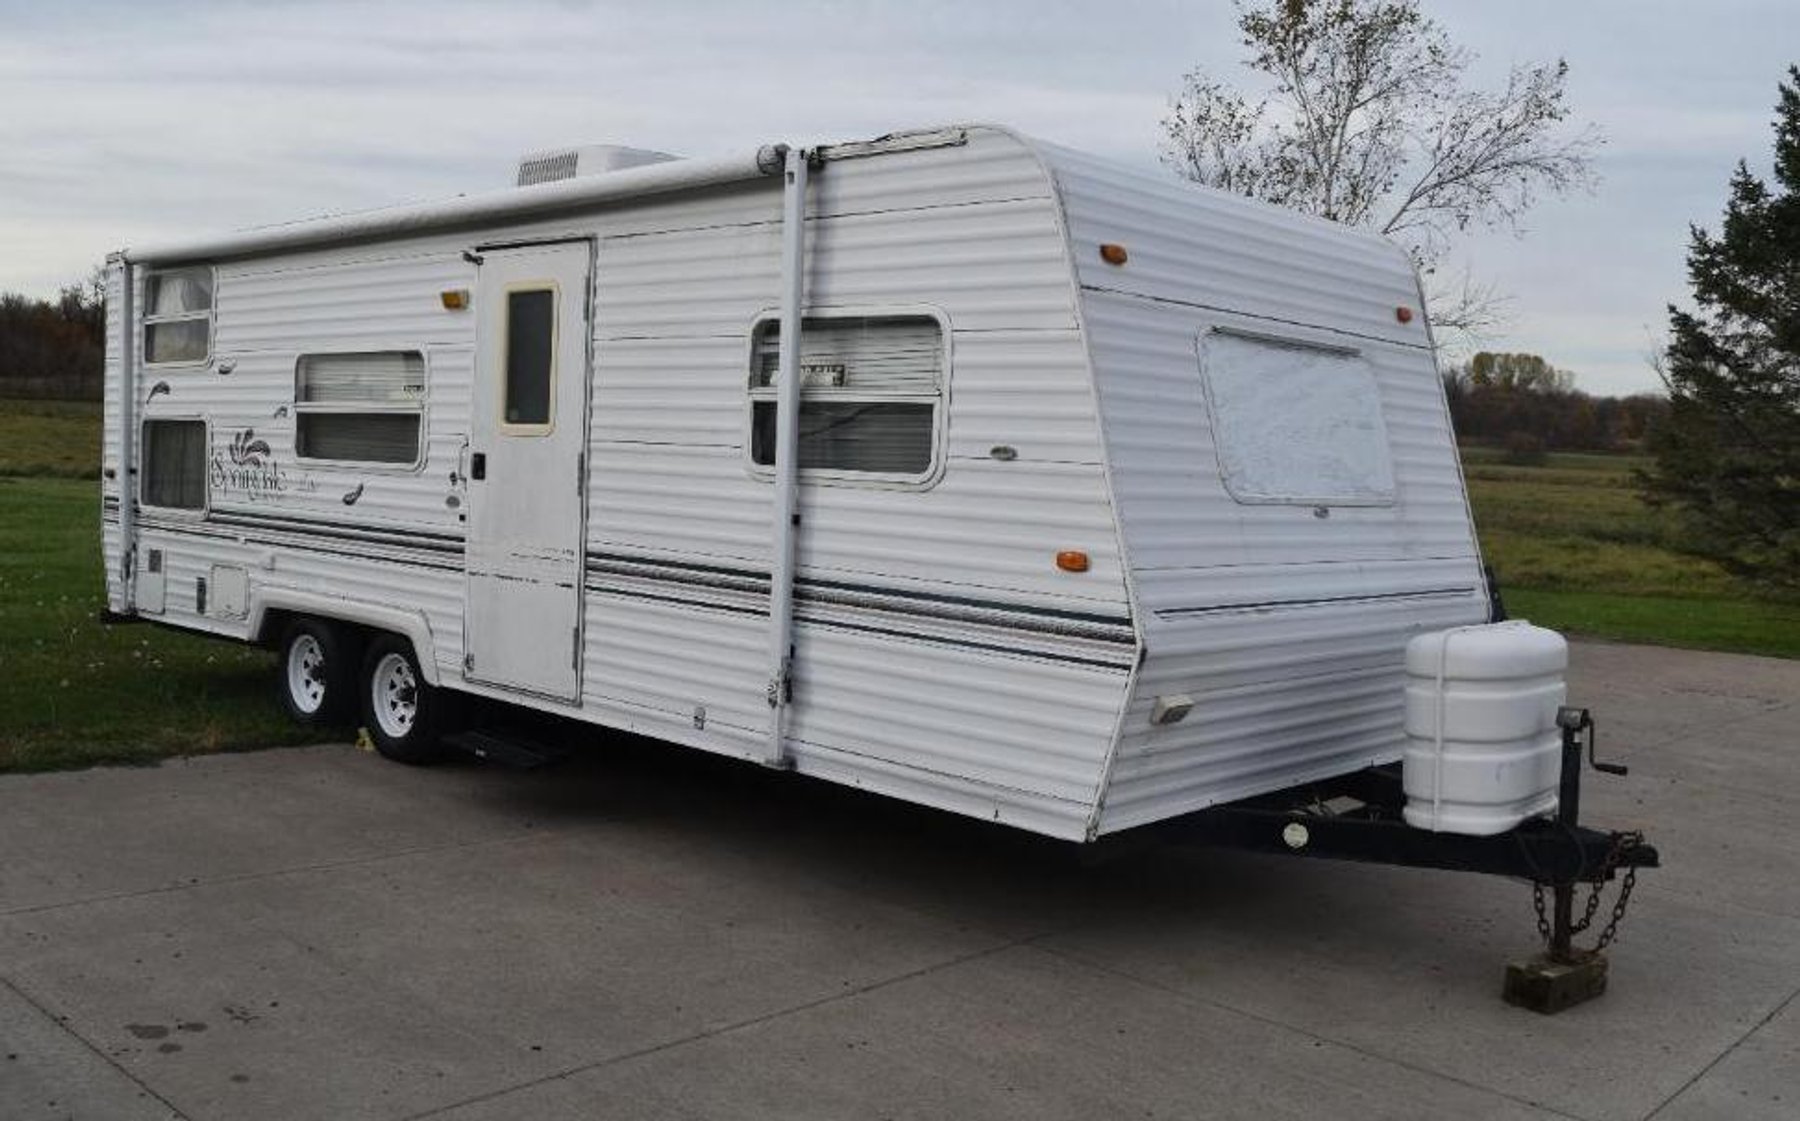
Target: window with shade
(178, 316)
(173, 458)
(364, 407)
(871, 390)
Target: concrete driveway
(651, 933)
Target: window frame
(420, 408)
(504, 382)
(1306, 340)
(142, 471)
(148, 320)
(839, 476)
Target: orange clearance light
(1113, 253)
(1072, 560)
(455, 299)
(1403, 314)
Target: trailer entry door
(528, 424)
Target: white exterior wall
(1287, 629)
(942, 657)
(976, 718)
(1006, 713)
(113, 471)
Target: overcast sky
(123, 122)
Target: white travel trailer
(950, 465)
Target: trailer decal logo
(248, 467)
(246, 452)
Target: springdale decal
(248, 469)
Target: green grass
(1743, 626)
(74, 693)
(1576, 549)
(56, 438)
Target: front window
(1294, 422)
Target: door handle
(478, 465)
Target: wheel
(317, 672)
(399, 709)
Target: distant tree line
(1529, 407)
(54, 348)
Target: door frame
(589, 294)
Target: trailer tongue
(1359, 817)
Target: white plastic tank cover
(1483, 751)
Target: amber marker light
(1072, 560)
(455, 299)
(1113, 253)
(1403, 314)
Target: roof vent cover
(591, 159)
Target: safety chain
(1622, 844)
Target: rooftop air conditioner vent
(593, 159)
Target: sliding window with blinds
(870, 392)
(364, 407)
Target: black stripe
(1047, 622)
(811, 590)
(891, 632)
(1017, 651)
(201, 530)
(967, 601)
(594, 558)
(342, 531)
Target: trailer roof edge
(542, 198)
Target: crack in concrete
(63, 1026)
(1261, 1018)
(1722, 1056)
(1679, 733)
(725, 1029)
(274, 873)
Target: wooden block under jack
(1545, 985)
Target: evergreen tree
(1728, 454)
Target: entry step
(506, 747)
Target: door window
(530, 360)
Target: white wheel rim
(396, 696)
(306, 673)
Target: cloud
(128, 122)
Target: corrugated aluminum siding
(1286, 627)
(111, 540)
(972, 718)
(942, 656)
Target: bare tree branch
(1465, 312)
(1365, 119)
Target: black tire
(317, 676)
(403, 715)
